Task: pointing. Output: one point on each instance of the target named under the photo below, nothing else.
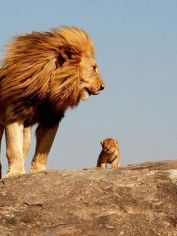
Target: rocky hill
(134, 200)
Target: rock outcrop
(134, 200)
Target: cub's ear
(117, 141)
(65, 54)
(101, 143)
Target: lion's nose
(102, 87)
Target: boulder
(139, 199)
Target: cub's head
(109, 145)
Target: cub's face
(91, 82)
(109, 145)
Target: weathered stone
(136, 200)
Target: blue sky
(136, 44)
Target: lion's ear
(65, 54)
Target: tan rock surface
(138, 199)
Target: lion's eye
(95, 68)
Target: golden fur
(110, 154)
(42, 75)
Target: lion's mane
(42, 70)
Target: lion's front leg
(26, 141)
(44, 140)
(115, 163)
(14, 149)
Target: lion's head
(109, 145)
(58, 66)
(78, 67)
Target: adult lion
(42, 75)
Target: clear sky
(136, 44)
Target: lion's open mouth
(90, 92)
(87, 92)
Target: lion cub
(110, 154)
